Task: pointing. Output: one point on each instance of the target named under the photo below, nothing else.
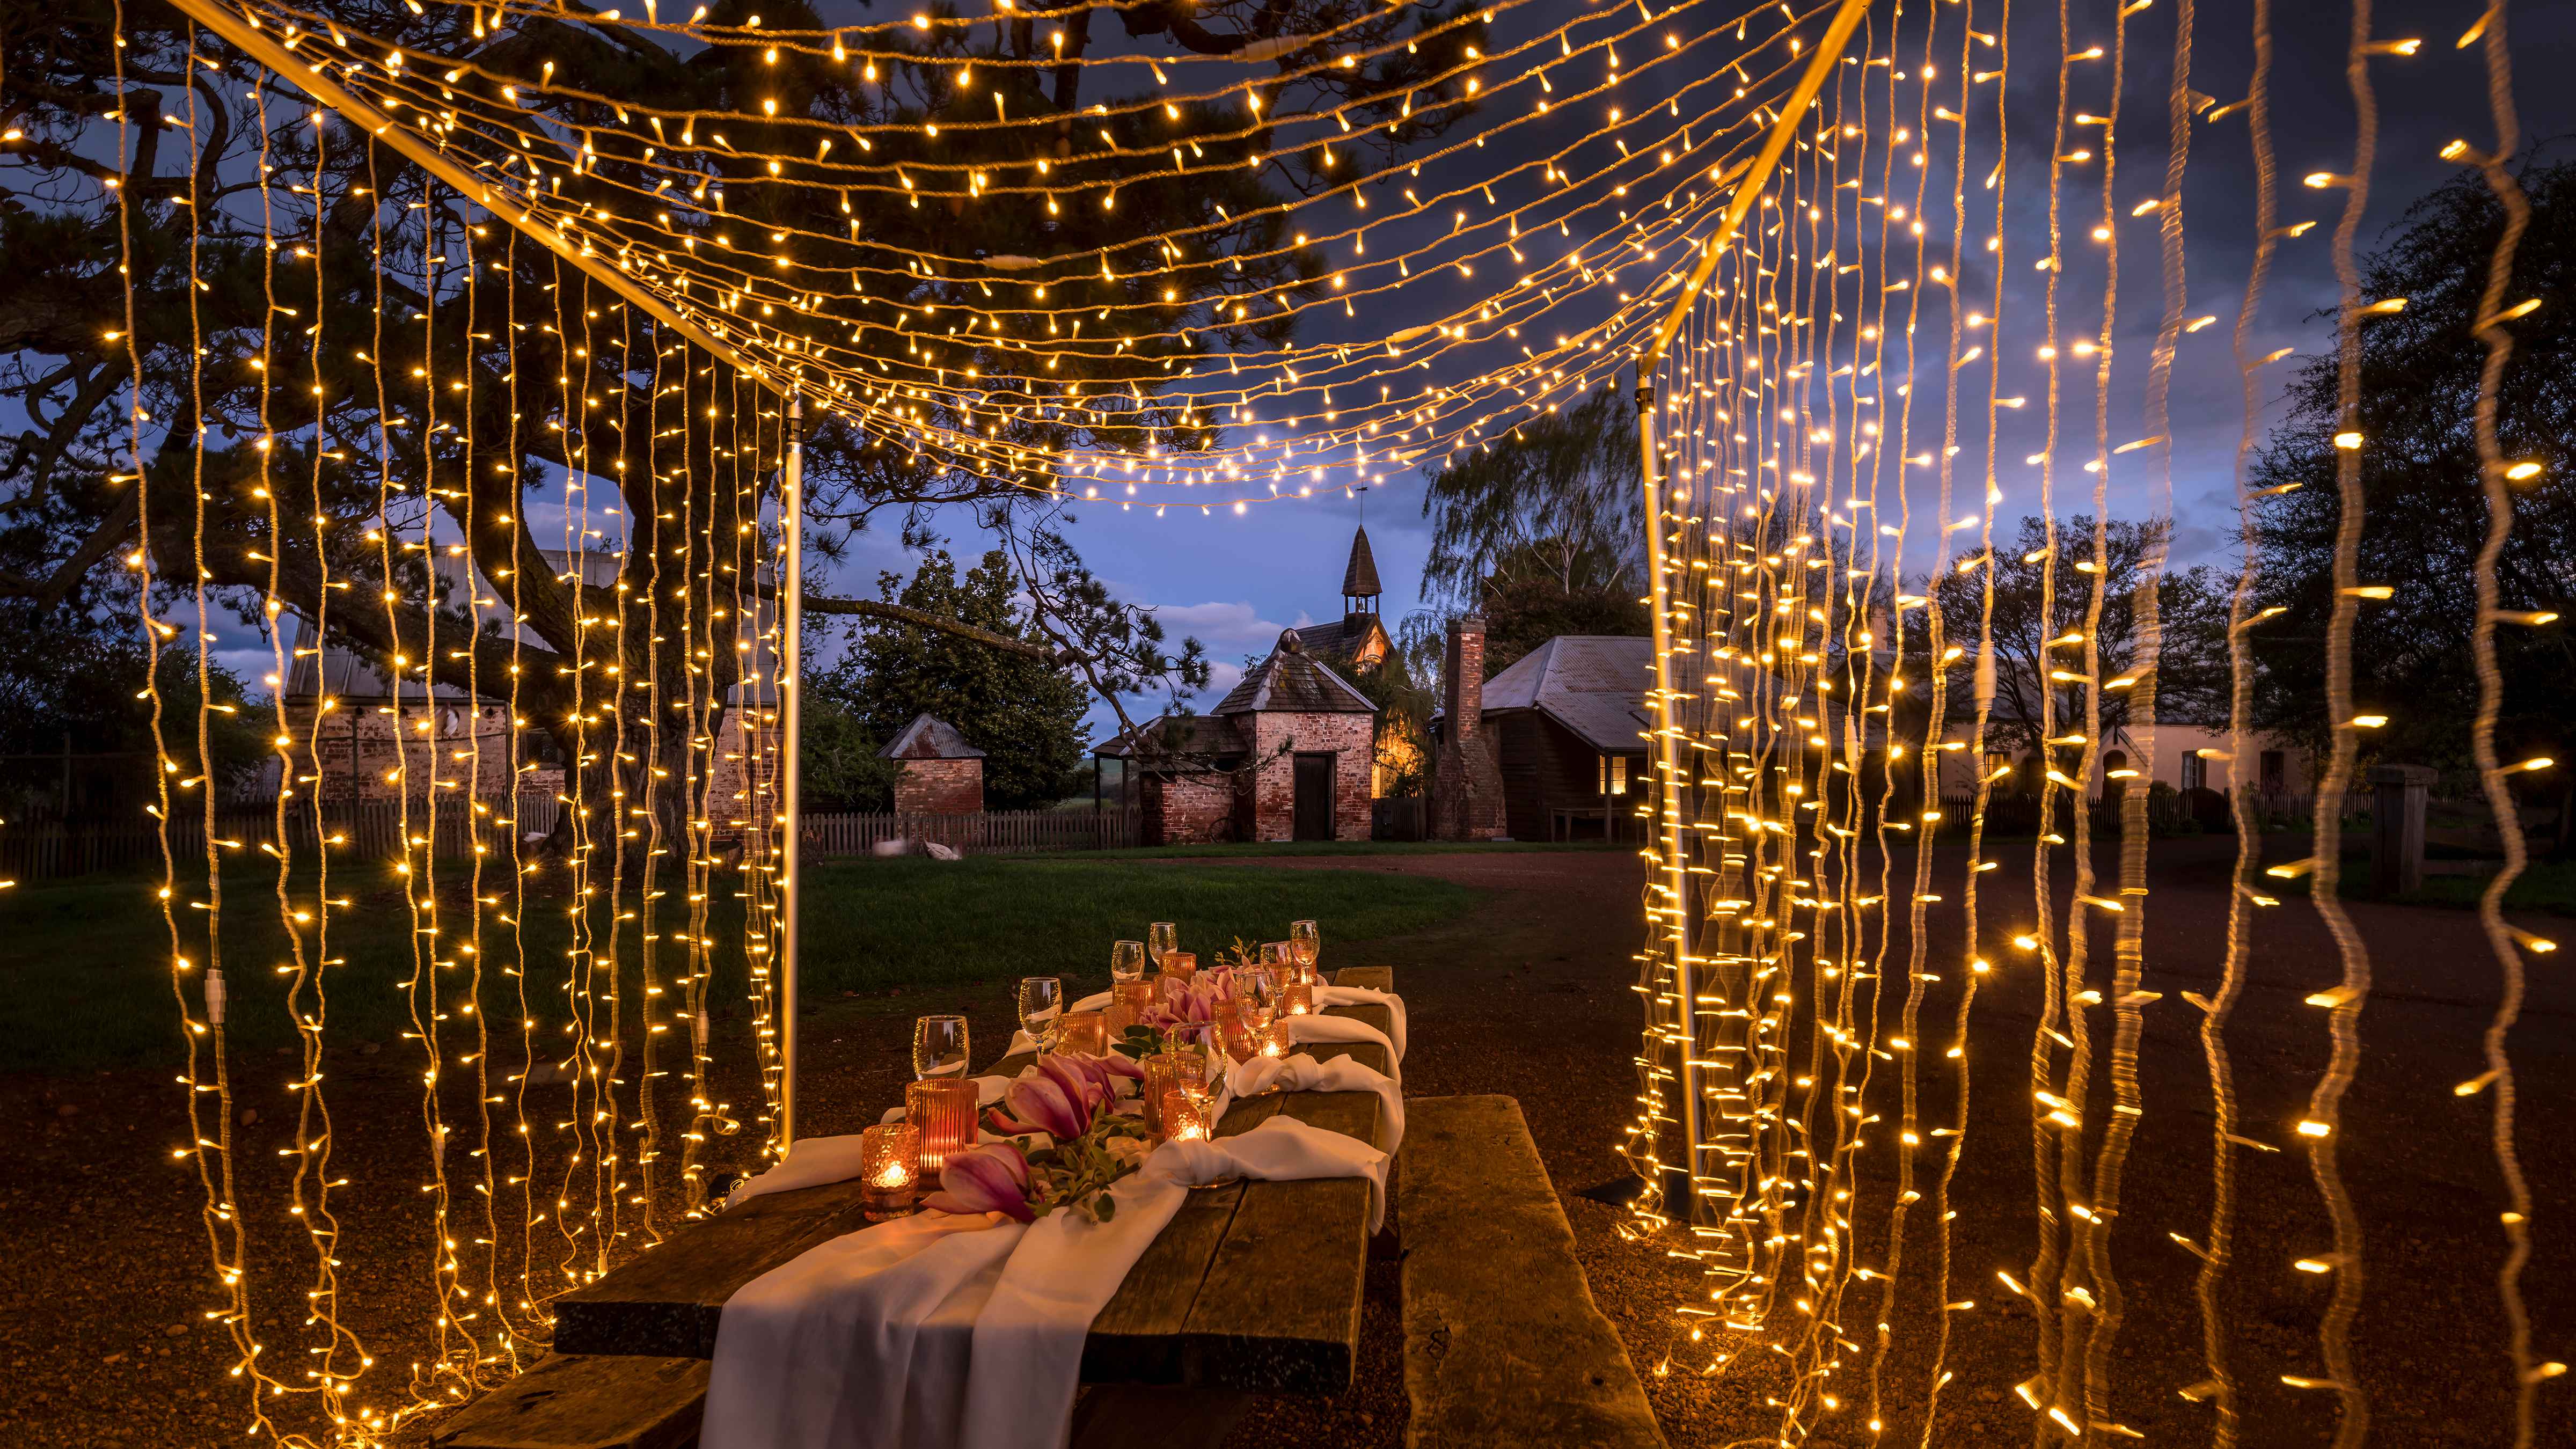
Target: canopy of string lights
(1233, 256)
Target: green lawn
(85, 981)
(870, 924)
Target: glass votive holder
(889, 1170)
(1297, 999)
(943, 1110)
(1128, 1003)
(1184, 1116)
(1230, 1031)
(1085, 1032)
(1165, 1071)
(1181, 964)
(1274, 1040)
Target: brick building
(937, 772)
(1286, 755)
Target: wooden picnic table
(1254, 1287)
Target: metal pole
(791, 669)
(248, 38)
(1750, 182)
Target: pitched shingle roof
(1593, 684)
(1291, 681)
(1360, 579)
(929, 737)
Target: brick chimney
(1464, 670)
(1466, 778)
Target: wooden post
(2397, 827)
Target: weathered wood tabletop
(1254, 1286)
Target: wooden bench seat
(1206, 1316)
(587, 1401)
(1503, 1347)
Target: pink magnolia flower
(1067, 1072)
(1041, 1104)
(1184, 1012)
(993, 1178)
(1103, 1071)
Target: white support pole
(791, 752)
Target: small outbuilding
(939, 773)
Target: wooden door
(1314, 806)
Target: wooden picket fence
(42, 849)
(990, 832)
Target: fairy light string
(2494, 471)
(2217, 1251)
(2317, 1129)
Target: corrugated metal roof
(929, 737)
(1593, 684)
(1291, 681)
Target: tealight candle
(1184, 1119)
(1274, 1038)
(943, 1111)
(1181, 964)
(889, 1170)
(1297, 999)
(1165, 1071)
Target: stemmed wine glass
(1278, 958)
(1257, 995)
(938, 1047)
(1162, 938)
(1306, 944)
(1041, 1009)
(1127, 961)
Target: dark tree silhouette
(2424, 514)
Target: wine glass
(1306, 943)
(938, 1047)
(1257, 995)
(1041, 1008)
(1127, 961)
(1279, 958)
(1162, 939)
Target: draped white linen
(953, 1332)
(1367, 996)
(1302, 1073)
(1316, 1027)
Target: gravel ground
(1529, 995)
